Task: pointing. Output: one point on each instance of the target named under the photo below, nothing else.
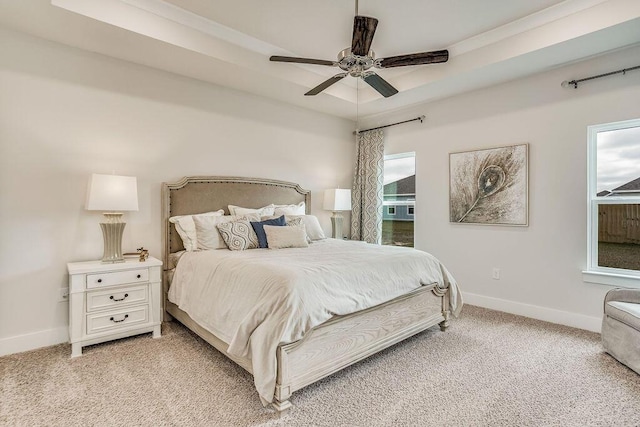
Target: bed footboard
(345, 340)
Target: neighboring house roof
(629, 186)
(402, 186)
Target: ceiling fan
(357, 60)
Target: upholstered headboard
(192, 195)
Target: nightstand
(111, 301)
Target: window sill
(611, 279)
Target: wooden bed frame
(327, 348)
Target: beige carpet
(488, 369)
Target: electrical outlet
(495, 274)
(63, 294)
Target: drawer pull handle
(99, 280)
(121, 320)
(119, 299)
(138, 276)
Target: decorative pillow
(298, 222)
(294, 222)
(207, 231)
(311, 223)
(238, 235)
(298, 209)
(258, 227)
(186, 228)
(264, 211)
(286, 237)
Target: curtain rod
(421, 118)
(575, 82)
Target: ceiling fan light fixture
(353, 64)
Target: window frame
(393, 217)
(411, 208)
(389, 210)
(595, 273)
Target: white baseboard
(49, 337)
(567, 318)
(34, 340)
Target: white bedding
(255, 300)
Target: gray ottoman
(621, 326)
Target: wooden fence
(619, 223)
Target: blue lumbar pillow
(258, 227)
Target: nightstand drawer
(117, 319)
(116, 297)
(117, 278)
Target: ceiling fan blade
(364, 28)
(380, 84)
(325, 84)
(415, 59)
(301, 60)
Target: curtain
(366, 194)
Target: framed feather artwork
(490, 186)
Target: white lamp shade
(337, 199)
(112, 193)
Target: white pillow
(311, 223)
(264, 211)
(286, 237)
(298, 209)
(207, 230)
(186, 228)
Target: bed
(314, 344)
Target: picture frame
(490, 186)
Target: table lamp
(112, 194)
(337, 200)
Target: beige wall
(66, 113)
(540, 264)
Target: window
(613, 217)
(399, 199)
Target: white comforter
(257, 299)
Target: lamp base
(336, 225)
(112, 235)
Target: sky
(396, 169)
(618, 157)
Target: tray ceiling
(229, 42)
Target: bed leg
(282, 407)
(281, 398)
(445, 323)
